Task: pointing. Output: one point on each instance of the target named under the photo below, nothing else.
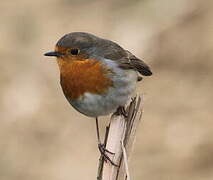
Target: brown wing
(124, 58)
(132, 62)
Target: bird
(97, 75)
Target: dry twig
(119, 138)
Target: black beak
(53, 53)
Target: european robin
(97, 75)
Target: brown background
(42, 137)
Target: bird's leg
(121, 111)
(102, 147)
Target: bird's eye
(74, 51)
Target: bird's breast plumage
(79, 77)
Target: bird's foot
(103, 151)
(121, 111)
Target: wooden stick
(119, 139)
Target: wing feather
(124, 58)
(132, 62)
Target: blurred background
(42, 137)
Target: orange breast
(78, 77)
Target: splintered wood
(119, 139)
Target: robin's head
(75, 46)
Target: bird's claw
(121, 111)
(103, 151)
